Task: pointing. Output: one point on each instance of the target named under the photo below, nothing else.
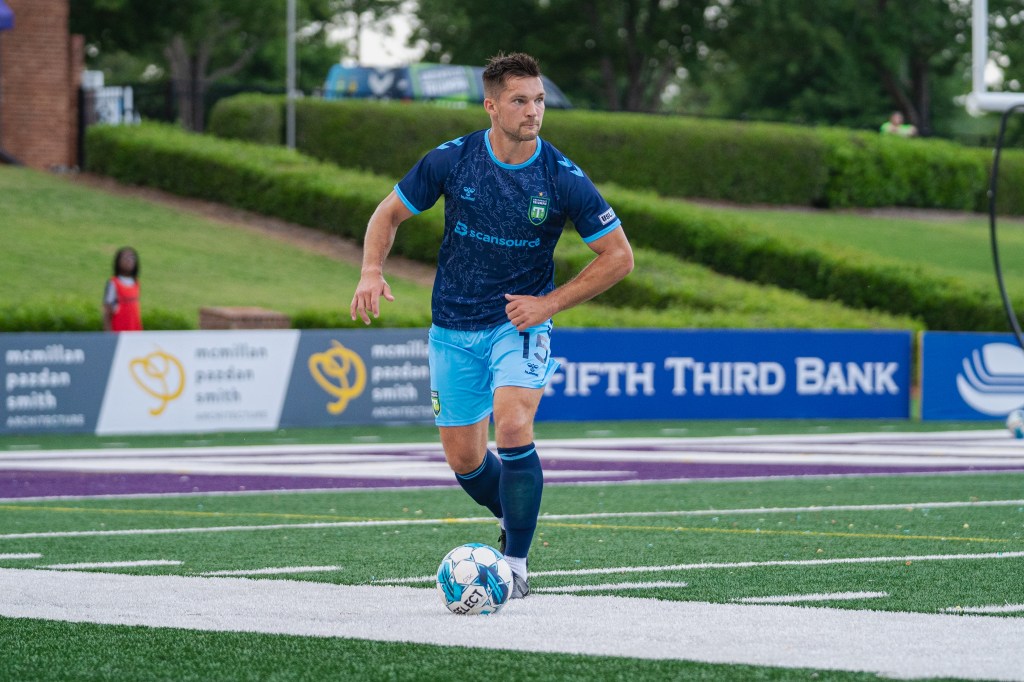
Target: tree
(618, 55)
(201, 42)
(845, 62)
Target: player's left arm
(614, 260)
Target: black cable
(993, 182)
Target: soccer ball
(474, 579)
(1015, 422)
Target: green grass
(60, 237)
(115, 653)
(652, 533)
(953, 245)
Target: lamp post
(290, 79)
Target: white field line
(280, 570)
(899, 645)
(987, 436)
(396, 468)
(995, 608)
(235, 529)
(798, 598)
(921, 448)
(403, 466)
(608, 587)
(6, 557)
(908, 506)
(113, 564)
(742, 564)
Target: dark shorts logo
(538, 209)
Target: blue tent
(6, 16)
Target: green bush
(256, 118)
(76, 315)
(673, 156)
(259, 178)
(868, 170)
(295, 188)
(728, 247)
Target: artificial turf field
(824, 576)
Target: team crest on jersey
(538, 209)
(435, 402)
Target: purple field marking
(16, 483)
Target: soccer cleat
(520, 586)
(501, 541)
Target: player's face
(519, 109)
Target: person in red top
(121, 311)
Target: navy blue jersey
(501, 224)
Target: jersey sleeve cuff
(614, 226)
(408, 204)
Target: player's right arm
(380, 236)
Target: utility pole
(290, 78)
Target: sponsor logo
(161, 376)
(992, 380)
(457, 142)
(607, 217)
(340, 372)
(380, 83)
(463, 230)
(538, 212)
(469, 193)
(435, 402)
(573, 168)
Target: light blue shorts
(466, 367)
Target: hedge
(288, 185)
(673, 156)
(729, 247)
(78, 316)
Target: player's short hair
(501, 67)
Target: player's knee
(513, 430)
(464, 461)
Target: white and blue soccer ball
(474, 579)
(1015, 423)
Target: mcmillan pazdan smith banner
(258, 380)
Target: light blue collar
(524, 164)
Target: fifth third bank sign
(669, 374)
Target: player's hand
(366, 300)
(526, 311)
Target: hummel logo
(572, 167)
(468, 192)
(457, 142)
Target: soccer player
(507, 195)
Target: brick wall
(40, 70)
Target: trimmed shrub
(256, 118)
(673, 156)
(293, 187)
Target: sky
(379, 49)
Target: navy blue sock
(522, 483)
(482, 484)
